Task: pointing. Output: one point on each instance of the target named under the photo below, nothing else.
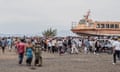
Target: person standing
(69, 44)
(65, 45)
(60, 46)
(97, 46)
(53, 45)
(79, 45)
(74, 47)
(38, 54)
(50, 46)
(9, 43)
(116, 50)
(29, 52)
(87, 46)
(21, 49)
(3, 45)
(0, 43)
(93, 45)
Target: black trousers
(49, 49)
(21, 56)
(29, 61)
(3, 49)
(53, 49)
(116, 54)
(97, 49)
(60, 49)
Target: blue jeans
(21, 56)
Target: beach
(65, 63)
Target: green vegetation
(49, 32)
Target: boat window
(111, 25)
(107, 25)
(102, 26)
(91, 24)
(82, 21)
(98, 26)
(116, 25)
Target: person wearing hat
(116, 49)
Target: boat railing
(74, 24)
(82, 26)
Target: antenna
(88, 14)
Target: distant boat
(87, 26)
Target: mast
(87, 15)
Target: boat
(87, 26)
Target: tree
(49, 32)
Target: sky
(35, 16)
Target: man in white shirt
(60, 46)
(74, 47)
(116, 50)
(54, 46)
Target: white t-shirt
(53, 42)
(116, 44)
(60, 43)
(80, 43)
(49, 44)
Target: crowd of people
(61, 45)
(23, 46)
